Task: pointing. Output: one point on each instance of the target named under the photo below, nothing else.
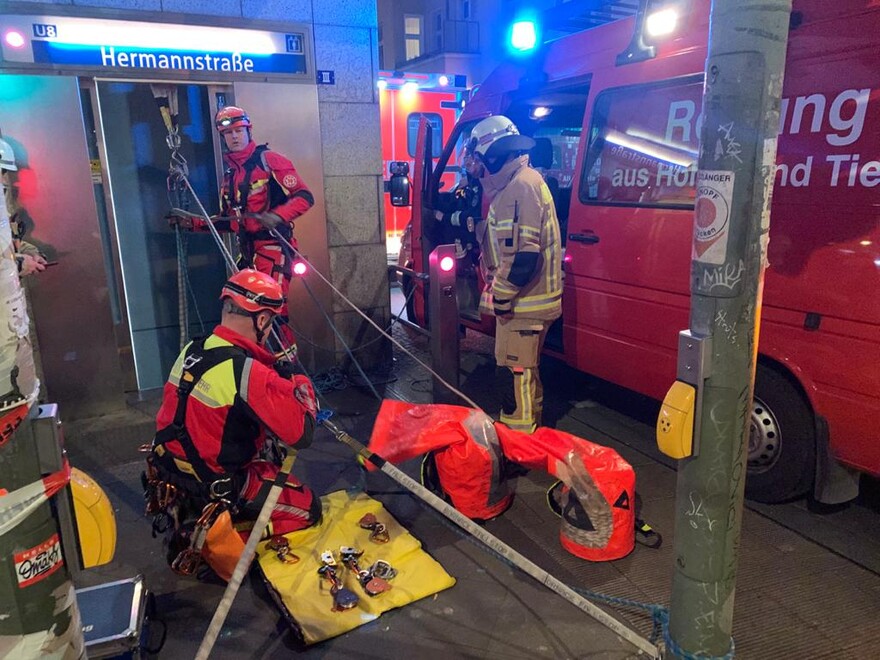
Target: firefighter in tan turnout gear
(522, 261)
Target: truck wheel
(782, 440)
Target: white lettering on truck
(841, 116)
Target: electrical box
(675, 423)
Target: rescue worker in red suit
(224, 397)
(261, 190)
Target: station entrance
(136, 156)
(93, 190)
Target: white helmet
(7, 156)
(500, 135)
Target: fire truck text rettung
(617, 144)
(403, 99)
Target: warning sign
(39, 562)
(712, 215)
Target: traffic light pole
(744, 73)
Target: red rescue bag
(596, 497)
(466, 452)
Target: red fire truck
(403, 99)
(618, 141)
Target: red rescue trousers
(297, 507)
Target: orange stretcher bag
(595, 495)
(462, 445)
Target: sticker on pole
(39, 562)
(712, 215)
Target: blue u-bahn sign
(129, 45)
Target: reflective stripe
(530, 231)
(217, 387)
(539, 300)
(245, 379)
(296, 511)
(523, 418)
(525, 394)
(502, 292)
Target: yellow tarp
(306, 595)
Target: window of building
(412, 33)
(644, 143)
(412, 132)
(466, 9)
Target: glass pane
(644, 144)
(562, 152)
(413, 48)
(138, 154)
(412, 132)
(412, 25)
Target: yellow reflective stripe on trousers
(523, 418)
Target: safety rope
(166, 98)
(182, 309)
(192, 293)
(394, 317)
(341, 340)
(403, 348)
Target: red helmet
(230, 117)
(253, 291)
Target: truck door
(416, 244)
(629, 230)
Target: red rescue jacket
(257, 180)
(231, 407)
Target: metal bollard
(443, 315)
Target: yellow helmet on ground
(95, 521)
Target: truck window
(561, 154)
(554, 117)
(644, 143)
(412, 132)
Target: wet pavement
(801, 593)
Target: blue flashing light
(523, 36)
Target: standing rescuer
(27, 256)
(261, 190)
(225, 396)
(522, 258)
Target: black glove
(284, 368)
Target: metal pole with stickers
(711, 400)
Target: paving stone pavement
(795, 598)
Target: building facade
(469, 37)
